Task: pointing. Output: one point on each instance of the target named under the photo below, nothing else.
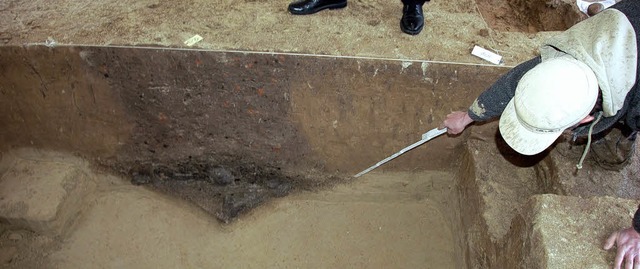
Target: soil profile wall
(122, 105)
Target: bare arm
(456, 122)
(491, 102)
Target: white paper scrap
(191, 41)
(486, 55)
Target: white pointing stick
(425, 137)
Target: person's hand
(456, 122)
(627, 242)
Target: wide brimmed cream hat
(550, 98)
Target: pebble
(15, 237)
(221, 176)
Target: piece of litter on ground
(486, 55)
(193, 40)
(50, 42)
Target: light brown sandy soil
(378, 223)
(399, 220)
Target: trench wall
(540, 211)
(121, 105)
(117, 106)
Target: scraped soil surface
(398, 220)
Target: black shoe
(305, 7)
(412, 19)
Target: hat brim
(521, 139)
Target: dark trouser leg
(614, 150)
(414, 2)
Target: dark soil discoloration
(223, 187)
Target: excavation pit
(239, 152)
(246, 143)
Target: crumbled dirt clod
(15, 237)
(140, 179)
(221, 175)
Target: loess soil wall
(124, 106)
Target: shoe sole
(332, 6)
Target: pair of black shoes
(411, 23)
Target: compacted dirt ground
(365, 28)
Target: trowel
(425, 137)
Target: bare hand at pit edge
(627, 242)
(456, 122)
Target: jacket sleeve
(493, 101)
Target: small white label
(486, 55)
(191, 41)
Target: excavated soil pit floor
(382, 220)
